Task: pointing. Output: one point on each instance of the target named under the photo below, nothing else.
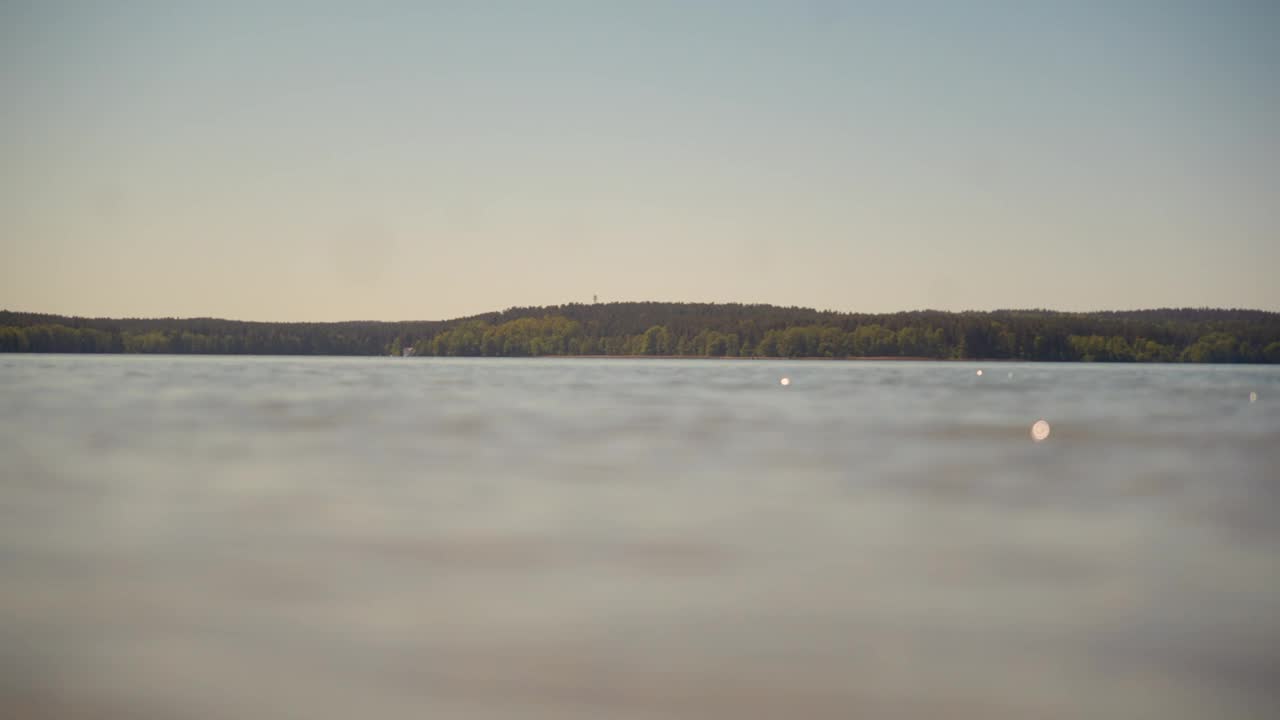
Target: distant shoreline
(657, 330)
(707, 357)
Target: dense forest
(691, 330)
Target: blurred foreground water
(199, 537)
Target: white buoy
(1253, 397)
(1039, 430)
(785, 381)
(979, 373)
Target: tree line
(31, 332)
(692, 330)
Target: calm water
(185, 537)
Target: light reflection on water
(321, 538)
(1040, 431)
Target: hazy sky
(424, 160)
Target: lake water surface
(199, 537)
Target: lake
(240, 537)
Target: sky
(377, 160)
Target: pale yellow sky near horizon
(320, 161)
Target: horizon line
(648, 302)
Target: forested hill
(693, 330)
